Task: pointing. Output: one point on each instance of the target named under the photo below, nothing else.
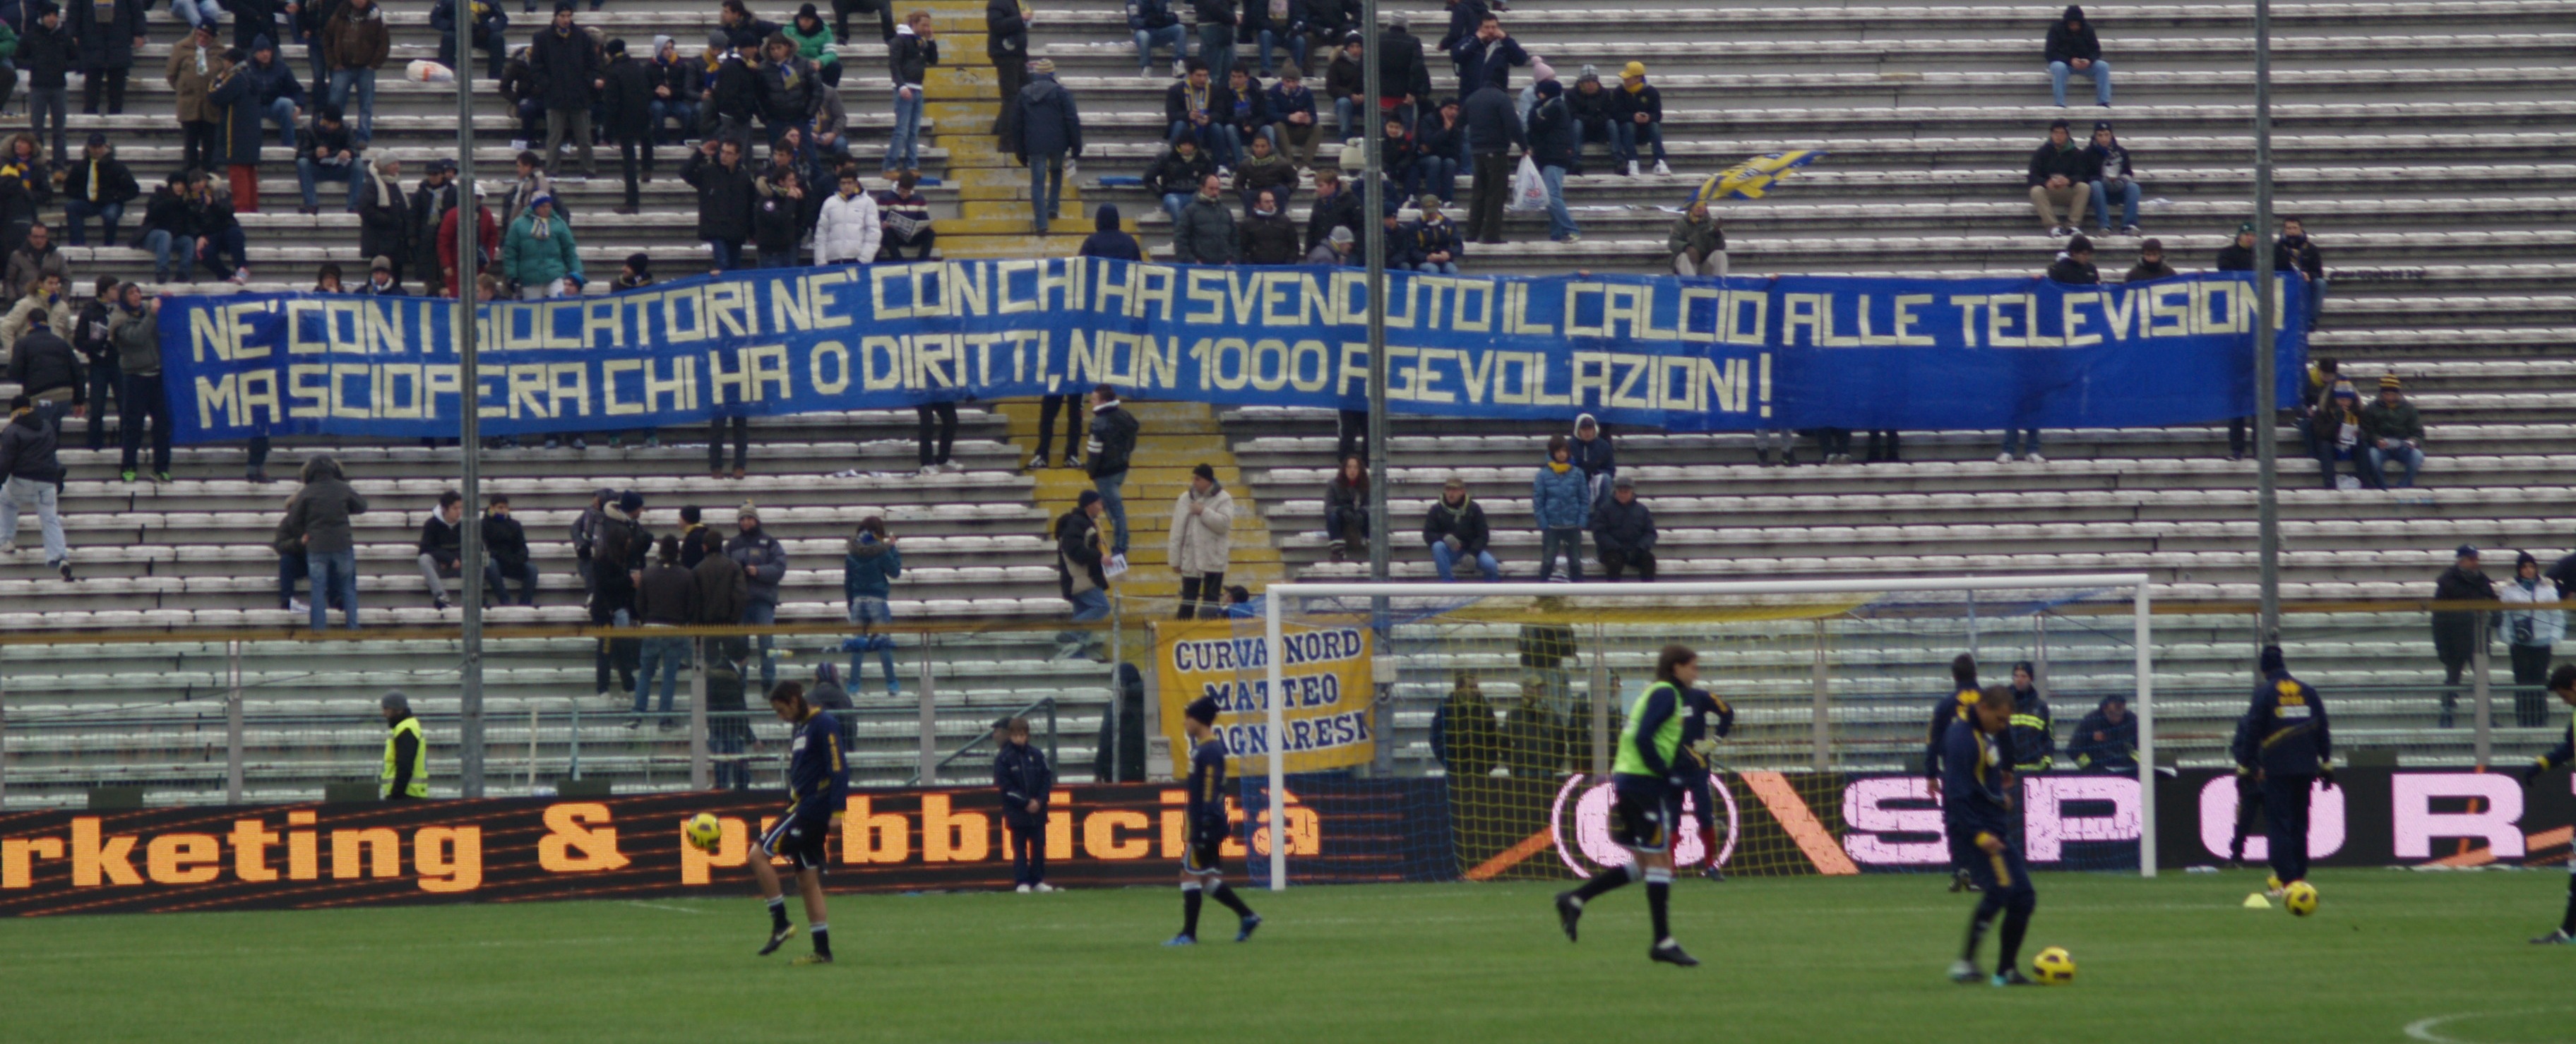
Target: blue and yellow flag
(1746, 180)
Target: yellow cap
(1634, 69)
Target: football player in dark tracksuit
(2285, 742)
(1948, 709)
(1201, 876)
(1023, 776)
(818, 784)
(1977, 816)
(2562, 684)
(1705, 720)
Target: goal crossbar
(2143, 704)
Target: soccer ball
(2300, 899)
(703, 831)
(2054, 966)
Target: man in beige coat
(195, 64)
(1202, 540)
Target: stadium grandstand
(2429, 147)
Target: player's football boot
(1713, 873)
(1965, 972)
(1182, 940)
(1569, 912)
(2556, 938)
(777, 938)
(1671, 952)
(2013, 977)
(812, 958)
(1250, 922)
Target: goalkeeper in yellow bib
(1647, 783)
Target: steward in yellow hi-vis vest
(406, 773)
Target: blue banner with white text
(1679, 354)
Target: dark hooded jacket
(2066, 45)
(2455, 631)
(1048, 124)
(322, 509)
(1626, 528)
(1108, 240)
(27, 446)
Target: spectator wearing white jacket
(2530, 633)
(849, 229)
(1202, 542)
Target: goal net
(1465, 731)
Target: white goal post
(2143, 704)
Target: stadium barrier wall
(1340, 830)
(1656, 351)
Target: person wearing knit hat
(1200, 544)
(1636, 117)
(1456, 531)
(1589, 104)
(1554, 142)
(538, 252)
(2285, 745)
(814, 43)
(2459, 634)
(1081, 552)
(2529, 633)
(2394, 433)
(2238, 254)
(2073, 50)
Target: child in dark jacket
(1024, 778)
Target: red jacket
(447, 242)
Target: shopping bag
(1529, 191)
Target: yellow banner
(1326, 711)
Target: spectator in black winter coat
(1048, 133)
(1636, 116)
(1344, 79)
(2151, 263)
(109, 34)
(1334, 207)
(2106, 740)
(33, 473)
(1176, 174)
(47, 52)
(1553, 144)
(1623, 532)
(1346, 505)
(2295, 252)
(1494, 133)
(777, 219)
(1593, 453)
(98, 357)
(1404, 79)
(726, 197)
(1440, 141)
(1021, 774)
(1107, 240)
(678, 82)
(97, 185)
(626, 111)
(1195, 108)
(384, 215)
(1435, 244)
(1111, 447)
(167, 229)
(326, 150)
(1590, 106)
(568, 73)
(1292, 116)
(2457, 633)
(791, 87)
(518, 86)
(442, 546)
(2061, 177)
(1486, 56)
(1266, 234)
(1006, 43)
(914, 50)
(2073, 49)
(734, 96)
(1244, 109)
(2113, 180)
(1464, 18)
(45, 366)
(742, 31)
(430, 202)
(2075, 264)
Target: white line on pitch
(659, 906)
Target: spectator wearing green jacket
(2394, 433)
(813, 42)
(538, 254)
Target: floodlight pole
(1373, 242)
(2267, 501)
(469, 440)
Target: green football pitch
(2390, 956)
